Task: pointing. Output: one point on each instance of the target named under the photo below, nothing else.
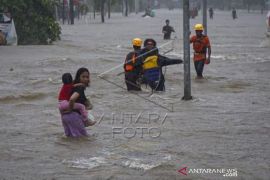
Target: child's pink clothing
(64, 105)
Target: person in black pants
(167, 30)
(202, 48)
(131, 67)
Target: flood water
(144, 135)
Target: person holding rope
(152, 63)
(132, 68)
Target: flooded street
(139, 136)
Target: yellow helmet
(137, 42)
(198, 27)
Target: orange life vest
(129, 63)
(200, 46)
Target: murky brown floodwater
(226, 125)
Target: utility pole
(136, 3)
(205, 16)
(71, 7)
(63, 11)
(94, 8)
(126, 9)
(187, 81)
(102, 2)
(109, 9)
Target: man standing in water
(211, 13)
(201, 46)
(167, 30)
(131, 67)
(234, 15)
(152, 65)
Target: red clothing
(65, 92)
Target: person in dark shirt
(152, 64)
(211, 13)
(132, 70)
(234, 14)
(167, 30)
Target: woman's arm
(73, 99)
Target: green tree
(34, 20)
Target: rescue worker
(152, 63)
(201, 46)
(131, 67)
(167, 30)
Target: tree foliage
(34, 20)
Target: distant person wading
(211, 13)
(167, 30)
(234, 14)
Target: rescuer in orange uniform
(201, 46)
(132, 67)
